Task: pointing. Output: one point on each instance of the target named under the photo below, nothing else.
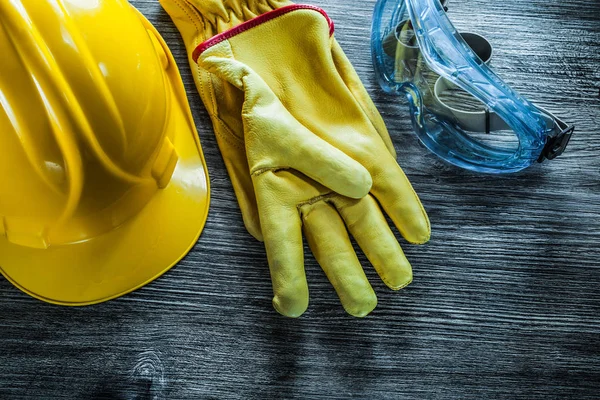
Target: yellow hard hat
(103, 184)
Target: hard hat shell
(103, 184)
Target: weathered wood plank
(504, 304)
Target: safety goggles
(419, 53)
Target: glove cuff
(225, 14)
(244, 26)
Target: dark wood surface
(506, 297)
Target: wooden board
(505, 302)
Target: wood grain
(505, 301)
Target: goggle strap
(488, 121)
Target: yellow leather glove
(286, 102)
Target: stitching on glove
(261, 171)
(324, 197)
(421, 207)
(327, 199)
(194, 18)
(194, 21)
(395, 287)
(184, 7)
(239, 144)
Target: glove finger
(287, 142)
(291, 144)
(366, 223)
(328, 239)
(353, 82)
(328, 165)
(282, 233)
(399, 200)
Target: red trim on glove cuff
(255, 22)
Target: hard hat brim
(140, 250)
